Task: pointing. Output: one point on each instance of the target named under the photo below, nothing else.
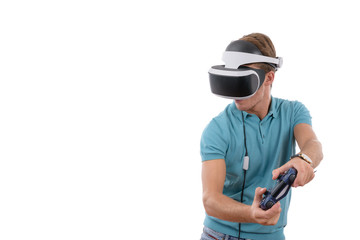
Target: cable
(245, 167)
(242, 195)
(246, 151)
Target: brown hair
(265, 45)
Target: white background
(102, 105)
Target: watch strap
(303, 156)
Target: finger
(299, 181)
(280, 170)
(303, 179)
(258, 195)
(274, 210)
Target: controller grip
(281, 189)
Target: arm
(220, 206)
(308, 144)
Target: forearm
(308, 143)
(313, 149)
(220, 206)
(223, 207)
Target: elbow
(321, 156)
(208, 202)
(320, 153)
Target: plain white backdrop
(102, 105)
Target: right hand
(268, 217)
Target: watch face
(305, 157)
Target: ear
(269, 78)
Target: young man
(258, 127)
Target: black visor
(238, 83)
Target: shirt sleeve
(213, 143)
(301, 114)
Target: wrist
(251, 213)
(303, 157)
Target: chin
(241, 105)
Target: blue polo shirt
(270, 144)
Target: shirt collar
(273, 111)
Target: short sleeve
(301, 114)
(213, 143)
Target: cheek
(259, 94)
(249, 103)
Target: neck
(261, 109)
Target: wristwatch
(303, 156)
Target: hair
(266, 47)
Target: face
(252, 104)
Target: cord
(245, 167)
(246, 151)
(242, 195)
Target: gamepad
(280, 190)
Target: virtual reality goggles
(235, 81)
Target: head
(266, 47)
(263, 95)
(248, 73)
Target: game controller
(280, 190)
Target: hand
(268, 217)
(305, 171)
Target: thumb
(258, 195)
(280, 170)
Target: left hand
(305, 171)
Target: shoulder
(219, 125)
(222, 119)
(295, 110)
(215, 137)
(288, 105)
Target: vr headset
(235, 81)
